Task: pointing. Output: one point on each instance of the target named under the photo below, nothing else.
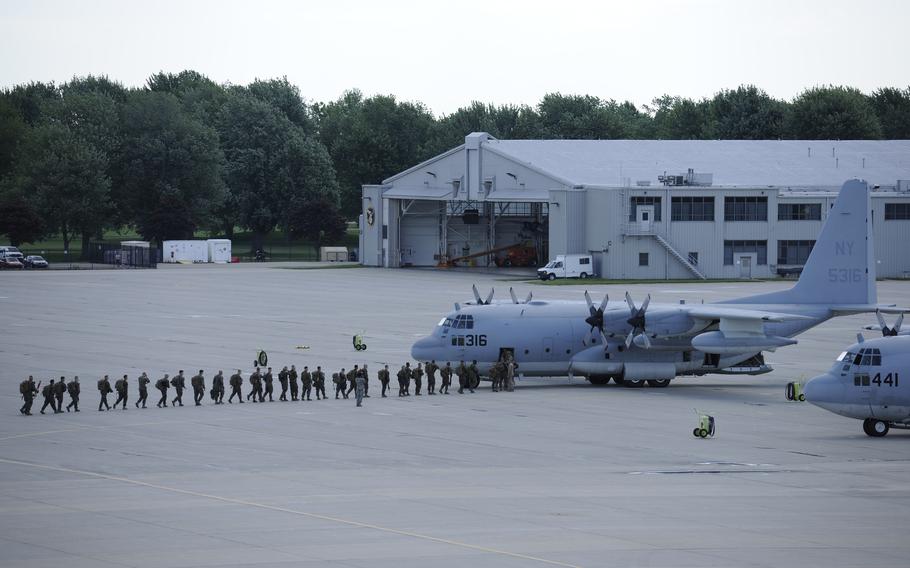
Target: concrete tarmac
(558, 473)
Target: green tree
(12, 131)
(579, 117)
(282, 95)
(746, 113)
(892, 106)
(169, 168)
(833, 113)
(270, 164)
(372, 139)
(503, 122)
(317, 219)
(676, 118)
(31, 98)
(19, 219)
(199, 95)
(65, 179)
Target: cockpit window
(445, 322)
(463, 321)
(868, 357)
(846, 356)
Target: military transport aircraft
(865, 383)
(633, 344)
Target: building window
(794, 252)
(636, 201)
(746, 208)
(799, 211)
(642, 259)
(759, 248)
(693, 258)
(897, 211)
(692, 208)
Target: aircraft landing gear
(634, 383)
(599, 380)
(658, 383)
(875, 428)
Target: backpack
(23, 387)
(119, 385)
(161, 384)
(101, 385)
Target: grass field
(599, 281)
(276, 245)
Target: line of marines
(345, 382)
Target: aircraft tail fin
(841, 267)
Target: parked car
(35, 261)
(10, 261)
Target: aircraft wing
(850, 309)
(717, 312)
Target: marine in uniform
(122, 389)
(198, 384)
(359, 388)
(306, 381)
(292, 380)
(431, 369)
(366, 381)
(384, 379)
(473, 376)
(73, 389)
(179, 383)
(319, 383)
(446, 375)
(48, 393)
(144, 381)
(351, 376)
(59, 391)
(28, 390)
(267, 381)
(417, 374)
(162, 385)
(218, 388)
(283, 381)
(462, 373)
(255, 385)
(236, 383)
(104, 387)
(340, 381)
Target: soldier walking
(351, 376)
(162, 385)
(511, 365)
(404, 377)
(122, 392)
(198, 384)
(59, 391)
(255, 385)
(28, 390)
(340, 382)
(48, 393)
(306, 381)
(366, 381)
(292, 379)
(319, 383)
(218, 387)
(236, 384)
(283, 381)
(495, 375)
(267, 381)
(359, 388)
(446, 375)
(462, 373)
(104, 387)
(144, 381)
(431, 369)
(73, 388)
(179, 383)
(473, 376)
(418, 379)
(384, 379)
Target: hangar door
(420, 234)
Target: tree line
(184, 153)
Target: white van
(567, 266)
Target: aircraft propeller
(637, 321)
(882, 326)
(481, 301)
(515, 298)
(596, 319)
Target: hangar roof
(780, 163)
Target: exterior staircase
(684, 260)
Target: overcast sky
(447, 54)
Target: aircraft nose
(825, 391)
(426, 348)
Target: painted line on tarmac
(290, 511)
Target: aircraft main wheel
(875, 428)
(634, 383)
(583, 275)
(599, 380)
(551, 277)
(619, 380)
(659, 383)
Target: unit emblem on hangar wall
(371, 216)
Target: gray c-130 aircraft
(656, 343)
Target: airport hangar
(644, 209)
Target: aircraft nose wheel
(875, 428)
